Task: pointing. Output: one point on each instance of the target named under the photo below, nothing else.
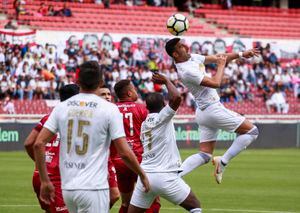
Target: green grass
(265, 181)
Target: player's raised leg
(207, 145)
(247, 134)
(202, 157)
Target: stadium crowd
(37, 72)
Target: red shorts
(125, 176)
(112, 178)
(58, 206)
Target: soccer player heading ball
(211, 115)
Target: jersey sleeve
(52, 122)
(40, 125)
(198, 58)
(165, 115)
(116, 128)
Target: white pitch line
(18, 205)
(247, 210)
(175, 208)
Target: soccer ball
(177, 24)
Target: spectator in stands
(65, 11)
(139, 57)
(8, 106)
(227, 91)
(226, 4)
(266, 89)
(19, 7)
(51, 11)
(295, 78)
(286, 81)
(21, 85)
(278, 101)
(43, 10)
(2, 56)
(11, 25)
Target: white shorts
(216, 117)
(87, 201)
(167, 185)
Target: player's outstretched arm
(211, 59)
(174, 95)
(215, 81)
(29, 142)
(47, 189)
(130, 160)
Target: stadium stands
(256, 107)
(117, 19)
(264, 22)
(254, 21)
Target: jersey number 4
(80, 133)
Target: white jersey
(158, 138)
(86, 124)
(191, 73)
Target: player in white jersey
(161, 159)
(87, 124)
(211, 115)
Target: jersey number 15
(80, 133)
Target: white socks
(193, 162)
(197, 210)
(239, 144)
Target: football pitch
(257, 181)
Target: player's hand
(47, 192)
(221, 60)
(145, 182)
(251, 53)
(159, 78)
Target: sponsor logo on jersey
(71, 165)
(90, 104)
(126, 105)
(148, 156)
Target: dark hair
(68, 91)
(170, 45)
(121, 88)
(155, 102)
(104, 86)
(90, 75)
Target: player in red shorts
(52, 158)
(133, 116)
(114, 193)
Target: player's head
(104, 92)
(177, 49)
(90, 76)
(125, 91)
(68, 91)
(155, 102)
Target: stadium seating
(116, 19)
(246, 107)
(260, 22)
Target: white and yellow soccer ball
(177, 24)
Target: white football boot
(219, 168)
